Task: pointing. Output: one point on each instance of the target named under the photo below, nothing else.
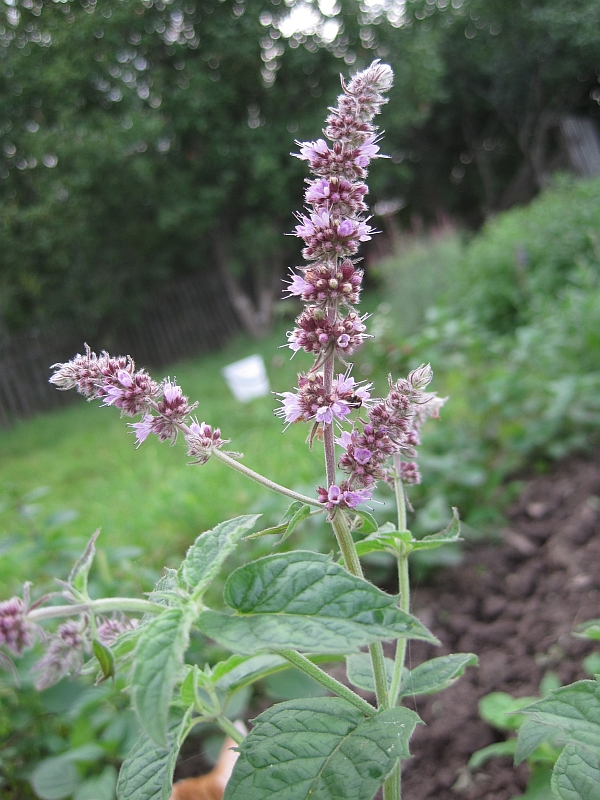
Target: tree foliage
(144, 140)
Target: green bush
(519, 359)
(526, 255)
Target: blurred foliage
(519, 394)
(511, 71)
(140, 141)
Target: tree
(145, 140)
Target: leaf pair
(388, 539)
(428, 678)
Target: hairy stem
(320, 676)
(403, 585)
(103, 606)
(255, 476)
(392, 788)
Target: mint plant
(297, 608)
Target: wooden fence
(189, 318)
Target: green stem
(229, 728)
(352, 562)
(103, 606)
(320, 676)
(392, 788)
(255, 476)
(403, 585)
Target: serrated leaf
(576, 774)
(531, 736)
(105, 659)
(79, 574)
(496, 750)
(305, 601)
(368, 523)
(319, 749)
(167, 583)
(147, 772)
(436, 674)
(157, 660)
(573, 710)
(206, 556)
(359, 670)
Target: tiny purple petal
(362, 455)
(125, 378)
(346, 228)
(324, 414)
(143, 428)
(334, 494)
(353, 498)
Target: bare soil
(515, 604)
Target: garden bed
(515, 604)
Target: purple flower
(16, 633)
(353, 497)
(143, 428)
(64, 656)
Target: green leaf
(589, 630)
(147, 772)
(206, 556)
(166, 584)
(531, 736)
(300, 515)
(105, 659)
(359, 669)
(383, 541)
(303, 600)
(55, 778)
(576, 775)
(158, 659)
(498, 708)
(239, 671)
(189, 686)
(436, 674)
(497, 750)
(100, 787)
(573, 710)
(319, 749)
(368, 523)
(538, 785)
(297, 512)
(79, 574)
(449, 535)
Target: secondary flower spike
(165, 410)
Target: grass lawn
(150, 497)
